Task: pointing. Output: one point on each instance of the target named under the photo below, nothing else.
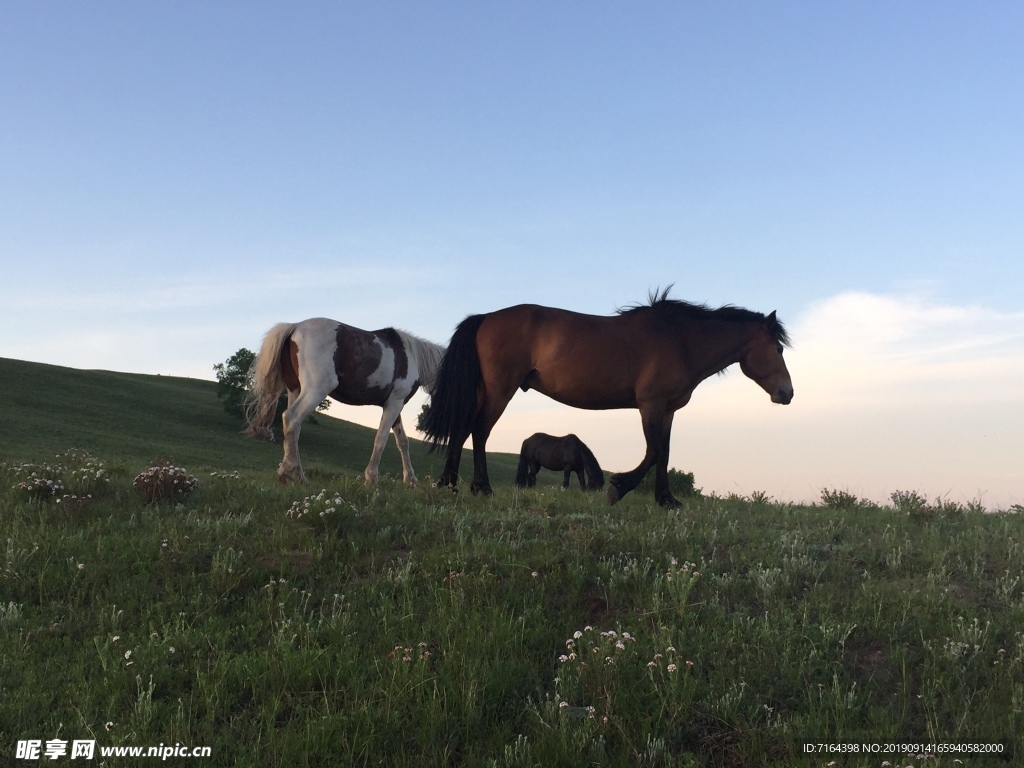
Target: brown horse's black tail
(595, 477)
(453, 405)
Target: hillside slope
(47, 409)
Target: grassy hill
(137, 418)
(267, 624)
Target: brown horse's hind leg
(449, 477)
(490, 411)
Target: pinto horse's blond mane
(427, 355)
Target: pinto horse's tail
(595, 477)
(267, 382)
(453, 405)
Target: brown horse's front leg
(657, 425)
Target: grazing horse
(318, 358)
(649, 357)
(568, 454)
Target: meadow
(334, 624)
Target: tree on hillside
(234, 380)
(421, 418)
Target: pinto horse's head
(763, 363)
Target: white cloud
(858, 350)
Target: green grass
(413, 627)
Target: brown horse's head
(762, 360)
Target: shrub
(164, 483)
(840, 499)
(680, 483)
(909, 502)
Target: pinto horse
(317, 358)
(650, 357)
(568, 454)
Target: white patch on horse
(384, 376)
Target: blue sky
(179, 177)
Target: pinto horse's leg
(392, 411)
(402, 440)
(300, 405)
(657, 424)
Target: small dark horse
(646, 357)
(568, 454)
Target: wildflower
(171, 649)
(109, 725)
(81, 566)
(116, 638)
(672, 667)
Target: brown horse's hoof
(445, 485)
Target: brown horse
(566, 454)
(648, 357)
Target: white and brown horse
(318, 358)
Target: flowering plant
(164, 483)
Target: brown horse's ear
(770, 320)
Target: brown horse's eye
(779, 347)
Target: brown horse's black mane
(674, 309)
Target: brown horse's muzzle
(783, 395)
